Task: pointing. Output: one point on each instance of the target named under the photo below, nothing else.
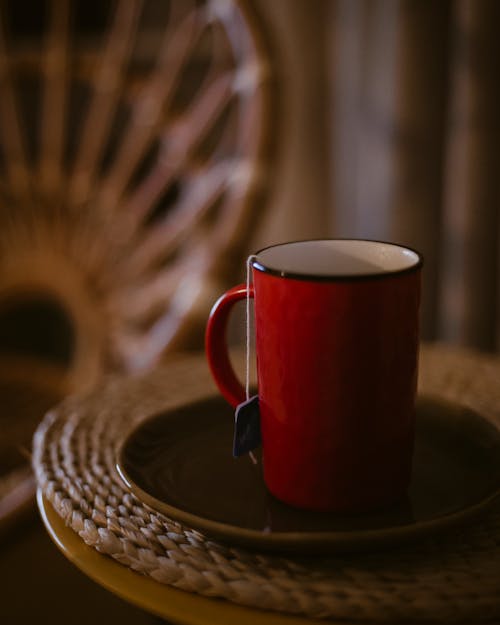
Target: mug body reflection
(337, 360)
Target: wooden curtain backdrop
(415, 116)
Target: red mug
(337, 326)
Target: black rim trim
(338, 277)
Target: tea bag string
(250, 259)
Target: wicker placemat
(451, 579)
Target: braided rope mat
(455, 578)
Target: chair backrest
(134, 138)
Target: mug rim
(339, 277)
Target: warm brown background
(392, 127)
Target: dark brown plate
(180, 464)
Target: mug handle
(216, 344)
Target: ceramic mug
(337, 326)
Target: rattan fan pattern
(132, 156)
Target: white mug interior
(342, 258)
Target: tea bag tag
(246, 427)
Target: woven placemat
(454, 578)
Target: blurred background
(391, 133)
(146, 148)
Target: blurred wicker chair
(134, 137)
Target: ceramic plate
(180, 464)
